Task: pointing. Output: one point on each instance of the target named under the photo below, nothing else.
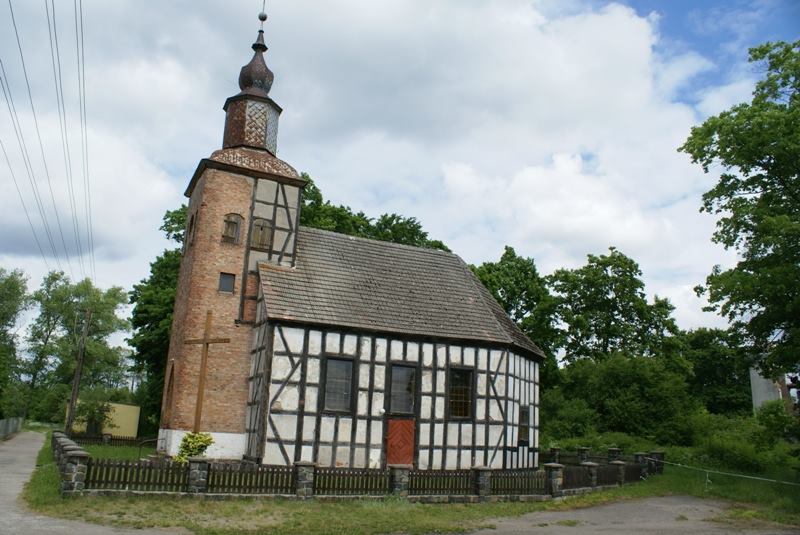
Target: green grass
(753, 501)
(119, 452)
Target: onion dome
(255, 78)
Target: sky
(550, 126)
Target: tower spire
(255, 78)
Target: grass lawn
(759, 501)
(119, 452)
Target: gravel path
(17, 461)
(657, 516)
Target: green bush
(193, 445)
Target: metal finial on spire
(263, 15)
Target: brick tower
(244, 207)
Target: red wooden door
(400, 441)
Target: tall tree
(603, 309)
(756, 145)
(13, 300)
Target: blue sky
(551, 126)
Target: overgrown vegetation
(193, 445)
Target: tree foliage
(13, 300)
(756, 146)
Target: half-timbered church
(295, 344)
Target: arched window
(261, 235)
(231, 228)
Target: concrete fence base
(10, 426)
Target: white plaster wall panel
(495, 434)
(380, 349)
(282, 218)
(307, 454)
(263, 211)
(377, 403)
(427, 354)
(437, 459)
(466, 434)
(441, 356)
(438, 434)
(366, 348)
(455, 355)
(469, 356)
(265, 190)
(291, 194)
(439, 411)
(374, 458)
(287, 400)
(325, 456)
(376, 434)
(272, 454)
(363, 398)
(494, 411)
(361, 431)
(481, 385)
(363, 376)
(495, 355)
(342, 456)
(326, 427)
(452, 434)
(257, 257)
(311, 399)
(424, 435)
(427, 381)
(332, 341)
(286, 425)
(294, 339)
(312, 371)
(350, 344)
(450, 461)
(423, 461)
(289, 453)
(314, 342)
(396, 352)
(281, 367)
(440, 382)
(480, 437)
(466, 460)
(496, 460)
(309, 427)
(380, 378)
(480, 408)
(425, 407)
(277, 343)
(225, 446)
(482, 355)
(536, 418)
(412, 351)
(500, 383)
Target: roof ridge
(384, 243)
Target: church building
(293, 344)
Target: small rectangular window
(524, 426)
(404, 385)
(227, 282)
(460, 393)
(339, 385)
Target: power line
(55, 57)
(39, 136)
(23, 147)
(24, 206)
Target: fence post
(656, 465)
(554, 479)
(640, 458)
(613, 454)
(583, 455)
(399, 478)
(304, 478)
(106, 438)
(592, 469)
(198, 475)
(482, 475)
(555, 454)
(73, 470)
(620, 471)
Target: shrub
(193, 445)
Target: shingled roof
(380, 286)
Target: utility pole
(76, 380)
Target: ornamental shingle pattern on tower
(380, 286)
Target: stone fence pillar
(555, 455)
(198, 475)
(620, 471)
(640, 458)
(554, 479)
(398, 478)
(583, 454)
(656, 465)
(613, 454)
(483, 480)
(73, 470)
(592, 469)
(304, 478)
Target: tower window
(524, 425)
(227, 282)
(460, 393)
(231, 228)
(261, 235)
(339, 385)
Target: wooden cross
(206, 340)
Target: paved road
(670, 515)
(17, 460)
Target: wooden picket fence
(576, 477)
(633, 473)
(607, 475)
(246, 478)
(92, 440)
(453, 482)
(166, 476)
(351, 481)
(529, 481)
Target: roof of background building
(358, 283)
